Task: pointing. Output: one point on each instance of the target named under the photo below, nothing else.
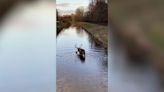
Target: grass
(157, 38)
(99, 32)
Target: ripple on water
(75, 75)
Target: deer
(80, 52)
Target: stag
(80, 52)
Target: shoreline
(98, 32)
(61, 26)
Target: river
(74, 74)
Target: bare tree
(79, 14)
(98, 12)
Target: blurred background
(27, 46)
(137, 45)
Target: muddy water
(74, 74)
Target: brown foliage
(98, 12)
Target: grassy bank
(99, 32)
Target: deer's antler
(76, 46)
(81, 45)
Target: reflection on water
(74, 74)
(27, 49)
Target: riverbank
(61, 25)
(98, 32)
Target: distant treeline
(64, 18)
(97, 12)
(63, 22)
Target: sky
(69, 6)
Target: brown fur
(81, 51)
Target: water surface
(74, 74)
